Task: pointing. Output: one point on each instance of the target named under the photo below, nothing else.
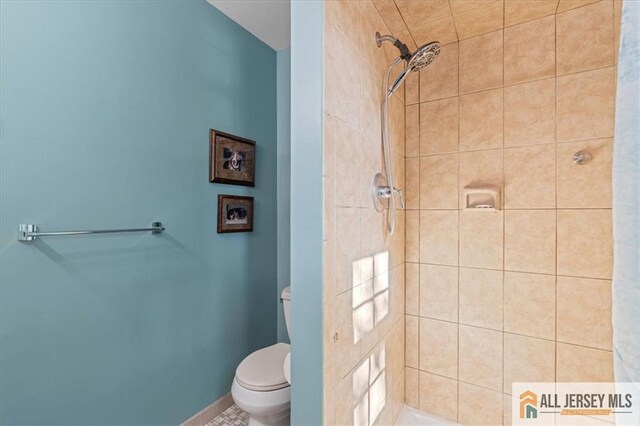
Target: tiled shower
(480, 299)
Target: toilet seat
(263, 370)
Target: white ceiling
(269, 20)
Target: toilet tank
(286, 305)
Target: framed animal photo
(231, 159)
(235, 214)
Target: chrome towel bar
(30, 232)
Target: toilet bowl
(261, 386)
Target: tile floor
(232, 416)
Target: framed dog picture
(231, 159)
(235, 214)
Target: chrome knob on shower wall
(382, 192)
(582, 157)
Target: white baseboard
(210, 412)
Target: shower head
(422, 57)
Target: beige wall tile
(412, 285)
(528, 360)
(365, 314)
(439, 126)
(329, 215)
(348, 86)
(480, 168)
(481, 357)
(329, 26)
(439, 396)
(347, 248)
(412, 183)
(370, 103)
(439, 347)
(398, 396)
(585, 38)
(345, 406)
(530, 241)
(461, 6)
(481, 62)
(529, 51)
(396, 242)
(372, 226)
(412, 89)
(440, 79)
(481, 239)
(439, 237)
(416, 14)
(585, 112)
(586, 105)
(370, 23)
(480, 20)
(439, 182)
(530, 113)
(329, 270)
(579, 364)
(481, 124)
(617, 22)
(412, 387)
(364, 174)
(329, 160)
(530, 304)
(411, 342)
(518, 11)
(585, 243)
(390, 15)
(396, 122)
(442, 30)
(506, 410)
(584, 312)
(330, 82)
(439, 292)
(349, 20)
(412, 248)
(412, 130)
(348, 192)
(530, 177)
(588, 185)
(481, 298)
(399, 175)
(479, 406)
(346, 348)
(565, 5)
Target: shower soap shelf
(482, 198)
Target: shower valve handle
(385, 192)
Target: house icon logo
(528, 405)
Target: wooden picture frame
(235, 214)
(231, 159)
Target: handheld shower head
(422, 57)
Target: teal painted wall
(307, 70)
(284, 181)
(105, 112)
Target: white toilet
(262, 385)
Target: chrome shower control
(582, 157)
(382, 193)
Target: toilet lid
(263, 370)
